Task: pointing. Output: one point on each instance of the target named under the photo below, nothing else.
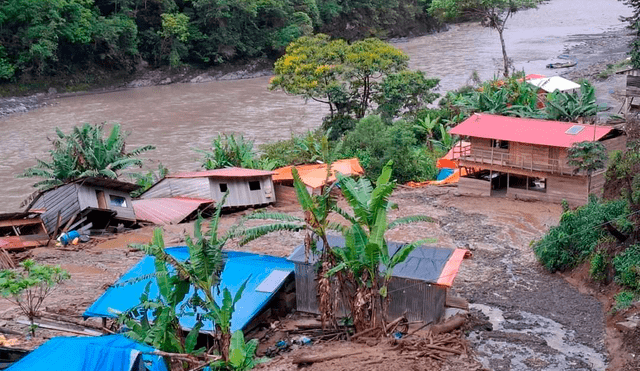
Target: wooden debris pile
(435, 346)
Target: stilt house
(527, 158)
(247, 187)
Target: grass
(612, 68)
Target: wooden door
(102, 200)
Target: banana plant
(424, 127)
(242, 355)
(446, 141)
(365, 258)
(561, 106)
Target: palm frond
(410, 219)
(249, 234)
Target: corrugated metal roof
(21, 215)
(314, 175)
(525, 130)
(240, 266)
(423, 263)
(229, 172)
(553, 83)
(171, 210)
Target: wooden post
(490, 181)
(527, 183)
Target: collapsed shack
(417, 289)
(268, 280)
(22, 230)
(91, 204)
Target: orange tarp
(314, 175)
(452, 267)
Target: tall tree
(493, 13)
(587, 156)
(85, 152)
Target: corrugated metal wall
(63, 199)
(421, 300)
(186, 187)
(239, 192)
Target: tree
(350, 77)
(228, 151)
(587, 156)
(27, 288)
(625, 166)
(493, 13)
(85, 152)
(365, 258)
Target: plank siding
(616, 144)
(63, 199)
(87, 198)
(571, 189)
(474, 187)
(597, 184)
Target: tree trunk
(505, 59)
(225, 342)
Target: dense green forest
(49, 37)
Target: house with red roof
(526, 158)
(247, 187)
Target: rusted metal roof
(168, 210)
(530, 131)
(229, 172)
(314, 175)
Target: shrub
(578, 233)
(598, 266)
(623, 300)
(627, 265)
(375, 143)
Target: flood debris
(21, 230)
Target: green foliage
(229, 151)
(578, 233)
(28, 287)
(625, 166)
(587, 156)
(627, 267)
(624, 300)
(374, 143)
(598, 266)
(570, 107)
(351, 77)
(241, 354)
(85, 152)
(148, 179)
(301, 149)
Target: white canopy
(551, 84)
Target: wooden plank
(19, 222)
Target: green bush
(627, 266)
(375, 143)
(598, 266)
(578, 233)
(623, 299)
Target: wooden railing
(518, 161)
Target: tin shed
(418, 286)
(247, 187)
(100, 200)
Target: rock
(202, 78)
(139, 83)
(52, 91)
(626, 325)
(165, 81)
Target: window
(254, 186)
(223, 187)
(502, 144)
(117, 201)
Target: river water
(176, 118)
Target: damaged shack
(92, 203)
(418, 287)
(21, 230)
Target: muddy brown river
(179, 117)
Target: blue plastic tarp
(112, 352)
(444, 173)
(239, 267)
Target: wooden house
(102, 202)
(418, 288)
(247, 187)
(22, 229)
(527, 158)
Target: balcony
(516, 161)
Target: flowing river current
(176, 118)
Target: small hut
(101, 202)
(247, 187)
(418, 286)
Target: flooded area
(179, 117)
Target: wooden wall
(239, 192)
(616, 144)
(87, 198)
(572, 189)
(474, 187)
(63, 199)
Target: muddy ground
(539, 321)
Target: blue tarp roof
(112, 352)
(238, 268)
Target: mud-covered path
(539, 321)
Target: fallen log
(448, 326)
(365, 332)
(302, 359)
(456, 302)
(391, 325)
